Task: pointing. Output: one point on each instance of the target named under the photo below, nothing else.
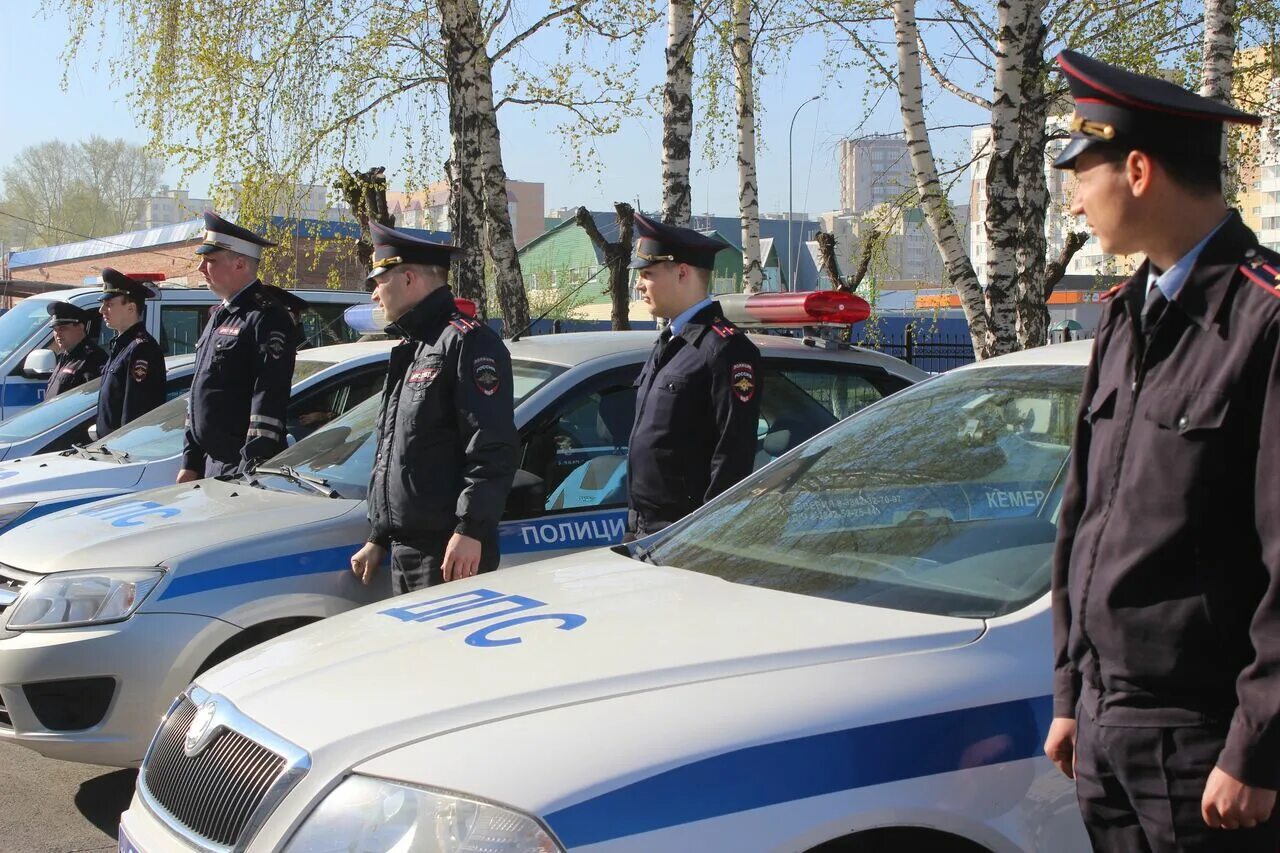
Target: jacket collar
(241, 299)
(128, 334)
(696, 326)
(435, 310)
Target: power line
(51, 227)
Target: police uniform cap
(392, 248)
(116, 283)
(64, 313)
(1136, 112)
(656, 243)
(221, 234)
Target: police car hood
(53, 472)
(150, 527)
(558, 632)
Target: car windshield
(341, 453)
(941, 499)
(159, 433)
(21, 322)
(49, 414)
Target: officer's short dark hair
(1200, 175)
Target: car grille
(11, 585)
(215, 795)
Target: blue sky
(35, 108)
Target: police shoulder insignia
(1257, 269)
(463, 323)
(723, 327)
(485, 372)
(1106, 297)
(140, 370)
(743, 380)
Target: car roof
(337, 353)
(175, 361)
(1071, 354)
(573, 348)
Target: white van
(175, 318)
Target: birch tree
(748, 187)
(1218, 66)
(677, 113)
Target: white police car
(108, 610)
(848, 651)
(146, 453)
(62, 421)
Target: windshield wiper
(118, 455)
(317, 483)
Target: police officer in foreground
(133, 381)
(79, 358)
(698, 396)
(1166, 575)
(244, 361)
(447, 441)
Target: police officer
(79, 358)
(133, 382)
(1166, 575)
(244, 360)
(698, 396)
(447, 442)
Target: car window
(50, 413)
(323, 324)
(839, 390)
(180, 327)
(941, 499)
(341, 453)
(528, 376)
(20, 323)
(313, 409)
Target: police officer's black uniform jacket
(75, 367)
(240, 393)
(697, 410)
(447, 441)
(133, 382)
(1166, 577)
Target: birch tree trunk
(677, 114)
(1219, 66)
(466, 208)
(472, 87)
(748, 187)
(960, 272)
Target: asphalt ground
(49, 806)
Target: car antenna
(572, 293)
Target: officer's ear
(1138, 170)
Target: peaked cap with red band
(1133, 111)
(392, 248)
(656, 243)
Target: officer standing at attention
(133, 382)
(447, 441)
(244, 361)
(79, 359)
(1166, 575)
(698, 396)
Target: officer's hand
(365, 562)
(186, 475)
(1060, 745)
(1229, 803)
(461, 557)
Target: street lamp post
(791, 251)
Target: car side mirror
(528, 496)
(39, 364)
(93, 432)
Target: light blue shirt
(1171, 280)
(677, 324)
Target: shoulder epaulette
(723, 327)
(464, 324)
(1106, 297)
(1265, 275)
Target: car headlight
(9, 513)
(91, 597)
(367, 814)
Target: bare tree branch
(532, 30)
(947, 84)
(1055, 270)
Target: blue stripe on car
(272, 568)
(789, 770)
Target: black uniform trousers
(416, 565)
(1140, 788)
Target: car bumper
(150, 658)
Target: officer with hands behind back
(79, 358)
(133, 381)
(1166, 573)
(698, 396)
(244, 361)
(447, 441)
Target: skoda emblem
(201, 731)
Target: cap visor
(1077, 146)
(206, 249)
(639, 264)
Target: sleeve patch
(744, 381)
(485, 371)
(276, 342)
(140, 370)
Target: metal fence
(934, 353)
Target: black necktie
(663, 339)
(1153, 309)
